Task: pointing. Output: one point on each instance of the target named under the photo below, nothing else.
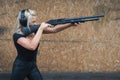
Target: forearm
(57, 28)
(36, 39)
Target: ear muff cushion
(23, 19)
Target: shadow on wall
(2, 30)
(74, 76)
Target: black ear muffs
(23, 19)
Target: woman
(27, 46)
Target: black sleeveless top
(23, 53)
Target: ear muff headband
(23, 19)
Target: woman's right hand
(44, 25)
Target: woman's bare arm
(57, 28)
(32, 44)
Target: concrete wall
(90, 47)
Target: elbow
(32, 48)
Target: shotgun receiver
(28, 30)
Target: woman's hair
(28, 13)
